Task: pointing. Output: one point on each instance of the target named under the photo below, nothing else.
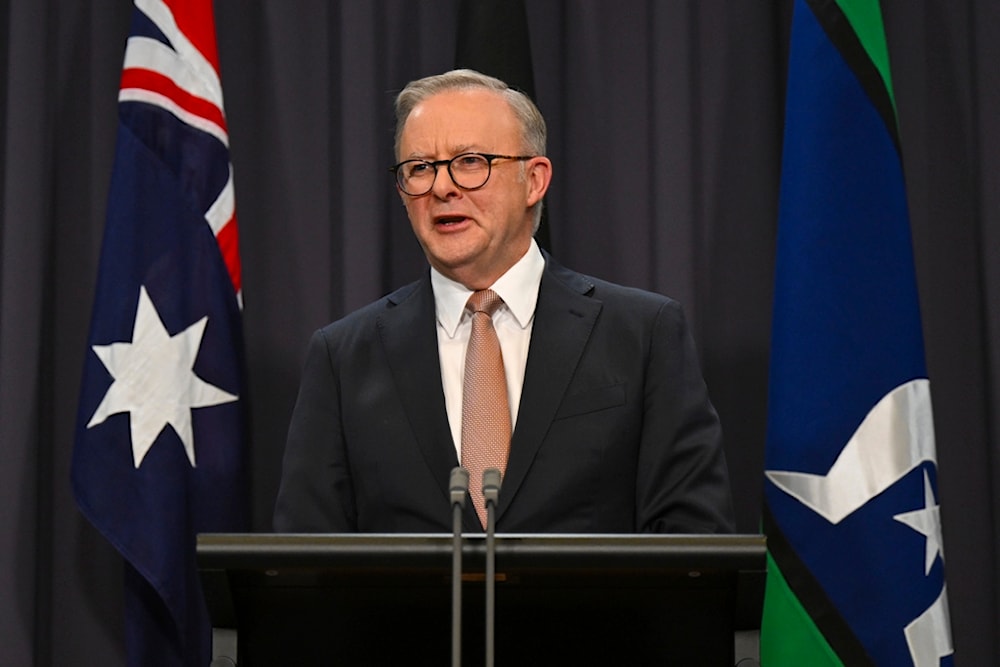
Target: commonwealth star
(154, 381)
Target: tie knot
(484, 301)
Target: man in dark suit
(613, 430)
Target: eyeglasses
(469, 171)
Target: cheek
(415, 210)
(505, 212)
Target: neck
(477, 278)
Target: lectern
(560, 599)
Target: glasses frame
(490, 158)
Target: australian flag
(160, 440)
(855, 556)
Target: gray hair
(533, 132)
(530, 118)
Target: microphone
(491, 492)
(458, 489)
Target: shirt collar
(518, 288)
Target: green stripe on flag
(865, 16)
(788, 634)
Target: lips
(449, 220)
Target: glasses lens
(470, 170)
(415, 177)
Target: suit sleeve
(316, 493)
(682, 480)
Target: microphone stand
(458, 489)
(491, 492)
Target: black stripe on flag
(813, 598)
(838, 29)
(493, 38)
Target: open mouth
(449, 220)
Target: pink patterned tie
(485, 411)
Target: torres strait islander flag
(855, 556)
(160, 440)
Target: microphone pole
(458, 489)
(491, 492)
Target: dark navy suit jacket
(615, 431)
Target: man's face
(472, 236)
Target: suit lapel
(408, 333)
(564, 318)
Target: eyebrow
(458, 150)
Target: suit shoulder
(364, 318)
(608, 292)
(634, 300)
(624, 304)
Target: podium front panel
(575, 600)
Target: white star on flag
(154, 381)
(927, 522)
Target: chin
(452, 254)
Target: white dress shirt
(513, 321)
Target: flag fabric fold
(851, 513)
(160, 442)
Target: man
(612, 427)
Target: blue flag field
(160, 443)
(852, 518)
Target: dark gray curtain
(665, 121)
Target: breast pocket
(592, 400)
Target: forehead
(457, 120)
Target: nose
(444, 185)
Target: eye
(417, 168)
(470, 162)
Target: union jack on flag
(160, 442)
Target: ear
(538, 176)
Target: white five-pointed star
(927, 522)
(154, 381)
